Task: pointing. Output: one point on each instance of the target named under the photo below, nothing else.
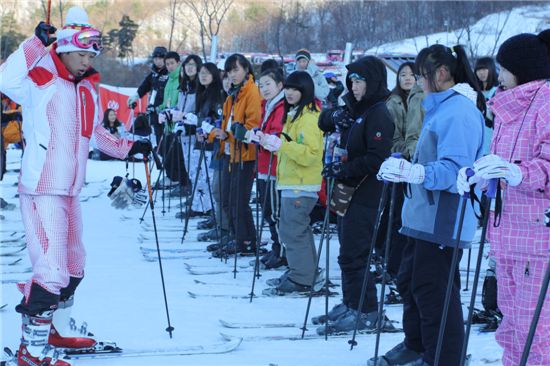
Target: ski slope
(121, 296)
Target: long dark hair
(492, 78)
(105, 121)
(303, 82)
(231, 63)
(212, 93)
(456, 61)
(398, 90)
(187, 85)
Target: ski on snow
(12, 253)
(294, 295)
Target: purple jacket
(522, 136)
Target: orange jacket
(248, 111)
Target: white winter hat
(76, 21)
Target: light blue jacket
(451, 138)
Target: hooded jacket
(451, 138)
(154, 83)
(368, 141)
(60, 112)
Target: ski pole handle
(396, 155)
(492, 188)
(469, 173)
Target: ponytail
(456, 61)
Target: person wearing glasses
(56, 88)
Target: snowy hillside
(121, 297)
(484, 37)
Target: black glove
(238, 131)
(334, 170)
(547, 217)
(151, 109)
(325, 122)
(342, 119)
(43, 32)
(141, 147)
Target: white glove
(191, 119)
(162, 117)
(126, 192)
(251, 136)
(493, 166)
(207, 127)
(547, 217)
(177, 116)
(134, 98)
(463, 182)
(400, 170)
(271, 143)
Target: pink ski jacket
(522, 136)
(59, 115)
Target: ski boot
(34, 349)
(398, 355)
(347, 321)
(336, 312)
(393, 297)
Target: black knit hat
(159, 51)
(303, 53)
(527, 56)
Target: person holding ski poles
(520, 158)
(56, 88)
(451, 137)
(241, 113)
(366, 131)
(273, 110)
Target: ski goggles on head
(357, 76)
(85, 39)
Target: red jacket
(272, 125)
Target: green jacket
(408, 123)
(171, 91)
(300, 161)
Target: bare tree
(209, 14)
(173, 6)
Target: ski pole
(239, 168)
(452, 270)
(210, 195)
(256, 272)
(259, 230)
(381, 206)
(468, 269)
(48, 12)
(190, 200)
(170, 328)
(328, 158)
(380, 212)
(324, 234)
(389, 232)
(490, 195)
(536, 316)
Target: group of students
(439, 119)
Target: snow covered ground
(121, 297)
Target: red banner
(116, 99)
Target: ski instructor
(56, 88)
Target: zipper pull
(527, 269)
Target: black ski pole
(389, 232)
(208, 184)
(239, 168)
(324, 233)
(170, 328)
(490, 195)
(536, 316)
(452, 271)
(256, 273)
(328, 158)
(190, 200)
(468, 269)
(379, 213)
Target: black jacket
(155, 81)
(369, 140)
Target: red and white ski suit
(60, 114)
